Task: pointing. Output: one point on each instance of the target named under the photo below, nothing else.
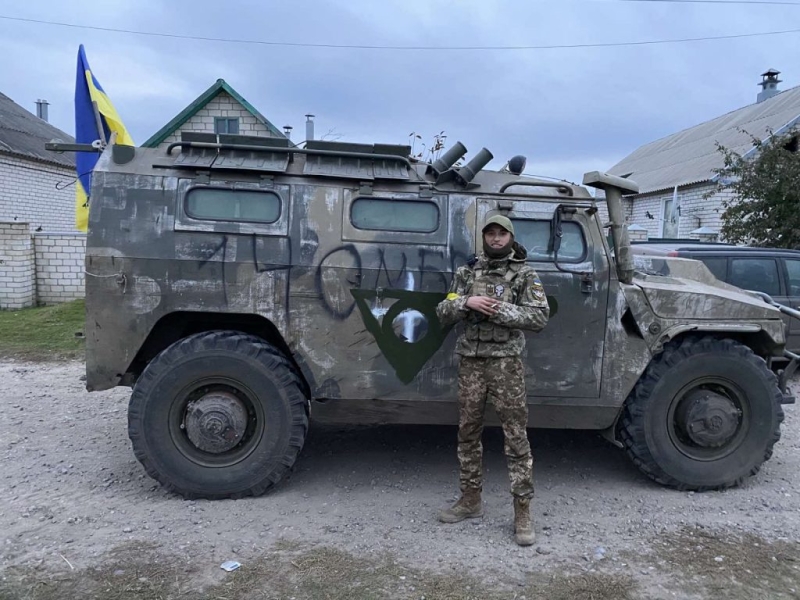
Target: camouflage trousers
(501, 380)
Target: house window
(535, 236)
(387, 214)
(216, 204)
(226, 125)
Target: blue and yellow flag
(87, 91)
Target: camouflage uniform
(491, 365)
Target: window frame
(266, 192)
(185, 222)
(437, 237)
(227, 121)
(393, 200)
(571, 261)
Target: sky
(568, 110)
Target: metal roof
(691, 155)
(24, 134)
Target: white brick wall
(640, 206)
(43, 268)
(224, 105)
(17, 282)
(59, 266)
(696, 211)
(28, 192)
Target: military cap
(504, 222)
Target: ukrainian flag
(87, 92)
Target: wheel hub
(708, 418)
(216, 422)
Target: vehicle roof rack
(250, 153)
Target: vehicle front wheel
(704, 415)
(219, 414)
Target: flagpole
(99, 123)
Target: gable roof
(24, 134)
(690, 156)
(200, 102)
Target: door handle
(587, 283)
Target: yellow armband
(452, 296)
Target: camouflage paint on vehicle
(353, 308)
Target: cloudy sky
(568, 110)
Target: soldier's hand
(484, 305)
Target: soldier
(496, 295)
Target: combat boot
(523, 525)
(468, 506)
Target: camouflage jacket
(501, 334)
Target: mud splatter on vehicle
(242, 285)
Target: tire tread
(632, 424)
(236, 342)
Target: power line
(407, 48)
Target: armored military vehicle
(243, 285)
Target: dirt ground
(80, 518)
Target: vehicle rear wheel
(219, 414)
(704, 415)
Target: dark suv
(770, 270)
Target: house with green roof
(221, 110)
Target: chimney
(769, 85)
(287, 131)
(309, 127)
(41, 109)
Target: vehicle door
(759, 274)
(564, 360)
(231, 237)
(379, 276)
(791, 268)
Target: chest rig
(496, 284)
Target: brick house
(676, 172)
(41, 252)
(34, 181)
(220, 110)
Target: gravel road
(74, 495)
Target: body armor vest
(495, 285)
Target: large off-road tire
(704, 415)
(218, 414)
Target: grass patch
(289, 571)
(733, 567)
(43, 332)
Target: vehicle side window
(793, 269)
(217, 204)
(535, 236)
(717, 266)
(388, 214)
(757, 274)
